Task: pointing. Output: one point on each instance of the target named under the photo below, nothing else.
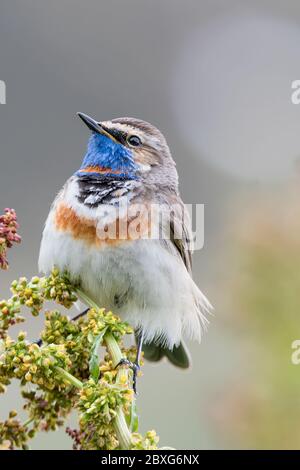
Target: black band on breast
(104, 190)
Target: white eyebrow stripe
(147, 138)
(127, 128)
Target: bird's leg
(139, 347)
(135, 366)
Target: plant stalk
(69, 377)
(122, 431)
(86, 299)
(113, 349)
(120, 425)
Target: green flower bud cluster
(9, 314)
(33, 294)
(59, 329)
(57, 287)
(149, 442)
(28, 293)
(94, 437)
(48, 409)
(14, 434)
(98, 404)
(100, 320)
(31, 363)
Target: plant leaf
(133, 419)
(94, 359)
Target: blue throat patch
(105, 157)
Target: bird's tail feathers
(179, 356)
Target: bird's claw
(135, 369)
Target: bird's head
(124, 148)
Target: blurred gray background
(215, 76)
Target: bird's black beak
(90, 122)
(94, 125)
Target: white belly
(140, 280)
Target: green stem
(69, 377)
(29, 420)
(120, 425)
(86, 299)
(113, 349)
(122, 431)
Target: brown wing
(180, 232)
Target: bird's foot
(135, 367)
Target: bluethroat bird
(120, 229)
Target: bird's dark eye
(134, 140)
